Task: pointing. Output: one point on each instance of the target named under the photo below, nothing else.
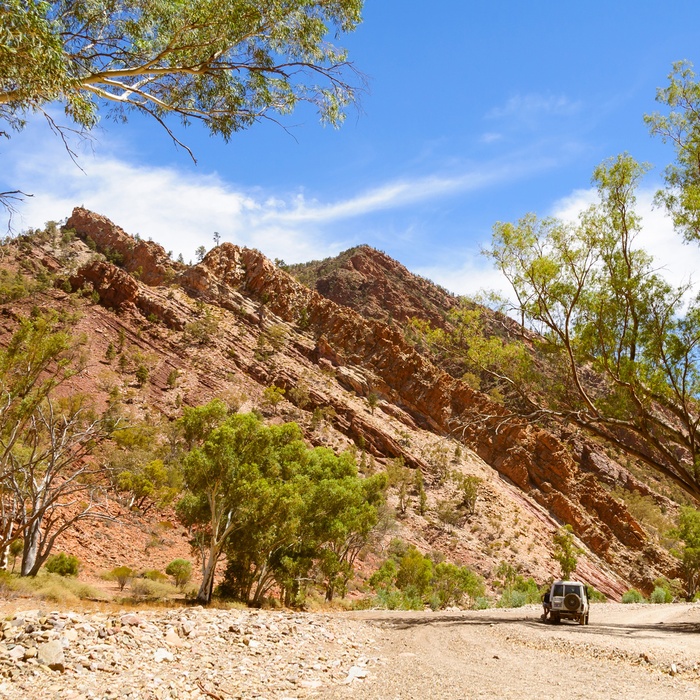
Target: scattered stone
(163, 655)
(51, 655)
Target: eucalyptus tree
(48, 478)
(627, 340)
(681, 128)
(224, 63)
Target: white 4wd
(567, 600)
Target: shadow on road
(598, 628)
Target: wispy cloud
(534, 104)
(181, 210)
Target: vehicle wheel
(555, 618)
(582, 619)
(572, 602)
(586, 622)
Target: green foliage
(153, 575)
(645, 511)
(45, 439)
(565, 551)
(400, 478)
(13, 287)
(660, 595)
(142, 373)
(181, 571)
(599, 303)
(595, 596)
(204, 329)
(469, 487)
(272, 396)
(221, 64)
(16, 547)
(633, 596)
(173, 376)
(149, 589)
(516, 590)
(148, 483)
(681, 128)
(122, 575)
(63, 564)
(511, 598)
(688, 531)
(408, 580)
(289, 507)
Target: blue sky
(476, 112)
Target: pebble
(180, 654)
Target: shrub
(63, 564)
(660, 595)
(152, 590)
(481, 603)
(142, 374)
(632, 596)
(595, 596)
(122, 575)
(181, 571)
(154, 575)
(512, 599)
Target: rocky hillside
(235, 324)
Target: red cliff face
(366, 356)
(147, 259)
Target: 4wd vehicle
(568, 600)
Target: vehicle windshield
(561, 589)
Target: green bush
(595, 596)
(181, 571)
(633, 596)
(122, 575)
(481, 603)
(63, 564)
(512, 599)
(154, 575)
(408, 580)
(151, 590)
(660, 595)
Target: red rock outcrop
(146, 258)
(531, 457)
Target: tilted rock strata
(371, 356)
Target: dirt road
(628, 651)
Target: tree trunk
(207, 587)
(30, 563)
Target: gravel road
(628, 651)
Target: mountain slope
(235, 324)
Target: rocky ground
(640, 651)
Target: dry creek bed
(628, 651)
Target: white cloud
(181, 210)
(677, 261)
(473, 273)
(534, 105)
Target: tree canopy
(272, 506)
(224, 63)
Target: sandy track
(637, 651)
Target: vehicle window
(572, 589)
(558, 589)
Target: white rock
(163, 655)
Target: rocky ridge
(235, 323)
